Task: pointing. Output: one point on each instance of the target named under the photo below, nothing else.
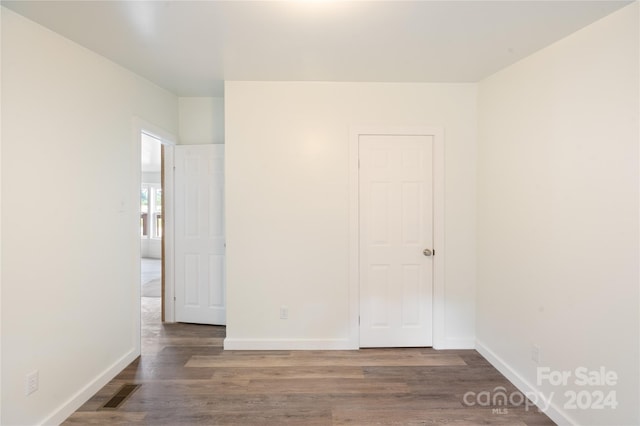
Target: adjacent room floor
(151, 277)
(185, 378)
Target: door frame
(438, 225)
(168, 242)
(167, 139)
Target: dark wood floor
(186, 378)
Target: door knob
(427, 252)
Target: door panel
(199, 234)
(396, 225)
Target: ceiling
(191, 47)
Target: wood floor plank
(277, 416)
(314, 372)
(326, 359)
(391, 416)
(338, 386)
(105, 418)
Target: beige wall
(287, 203)
(69, 165)
(201, 120)
(558, 215)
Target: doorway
(396, 240)
(152, 221)
(397, 236)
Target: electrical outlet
(31, 382)
(284, 312)
(535, 354)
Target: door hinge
(174, 298)
(358, 320)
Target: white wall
(558, 215)
(287, 199)
(69, 163)
(201, 120)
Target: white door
(396, 226)
(199, 234)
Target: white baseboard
(553, 411)
(83, 395)
(287, 344)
